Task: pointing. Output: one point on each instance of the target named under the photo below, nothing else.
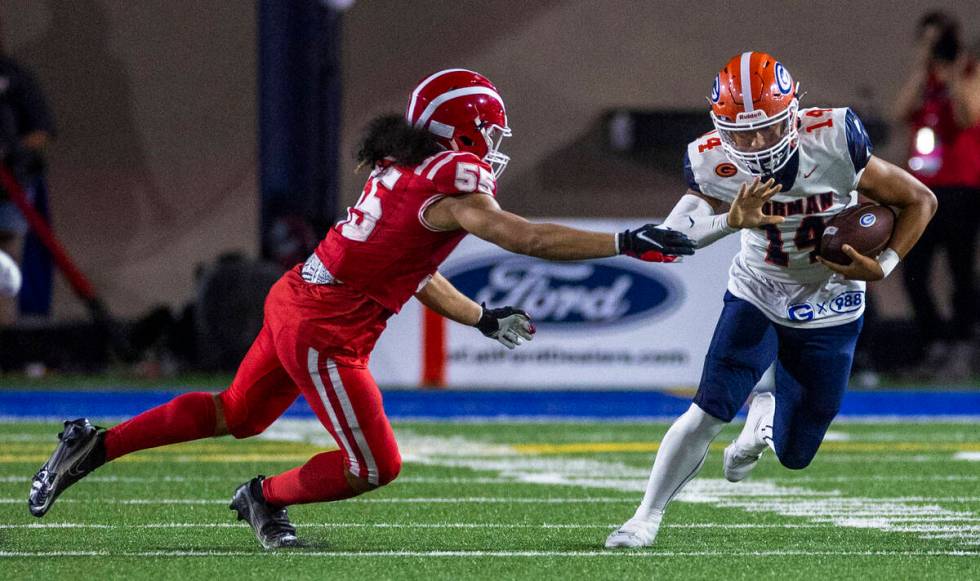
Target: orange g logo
(725, 170)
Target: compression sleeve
(693, 217)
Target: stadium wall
(154, 170)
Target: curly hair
(391, 136)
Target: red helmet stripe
(448, 95)
(745, 73)
(415, 94)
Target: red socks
(322, 479)
(190, 416)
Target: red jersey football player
(433, 180)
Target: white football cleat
(634, 534)
(744, 452)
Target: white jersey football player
(782, 172)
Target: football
(866, 227)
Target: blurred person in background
(935, 103)
(26, 127)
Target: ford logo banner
(570, 295)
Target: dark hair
(947, 45)
(390, 136)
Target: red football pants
(316, 341)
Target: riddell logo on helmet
(757, 115)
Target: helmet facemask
(494, 136)
(484, 141)
(758, 144)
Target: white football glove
(10, 277)
(508, 325)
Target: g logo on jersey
(801, 312)
(725, 170)
(716, 89)
(783, 81)
(868, 220)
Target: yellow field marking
(189, 447)
(179, 456)
(844, 447)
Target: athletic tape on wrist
(888, 260)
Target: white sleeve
(10, 278)
(693, 217)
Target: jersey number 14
(807, 236)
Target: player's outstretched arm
(481, 216)
(442, 297)
(507, 325)
(696, 215)
(890, 185)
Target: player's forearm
(888, 184)
(694, 217)
(556, 242)
(445, 299)
(912, 221)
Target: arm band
(888, 260)
(693, 217)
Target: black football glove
(508, 325)
(652, 244)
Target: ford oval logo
(570, 295)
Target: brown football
(867, 227)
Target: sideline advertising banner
(615, 322)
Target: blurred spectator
(26, 127)
(939, 104)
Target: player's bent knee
(796, 462)
(390, 469)
(233, 419)
(358, 485)
(795, 459)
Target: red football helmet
(754, 107)
(465, 113)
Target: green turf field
(531, 501)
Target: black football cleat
(80, 450)
(270, 524)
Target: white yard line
(394, 500)
(413, 526)
(652, 553)
(887, 478)
(504, 480)
(135, 479)
(21, 479)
